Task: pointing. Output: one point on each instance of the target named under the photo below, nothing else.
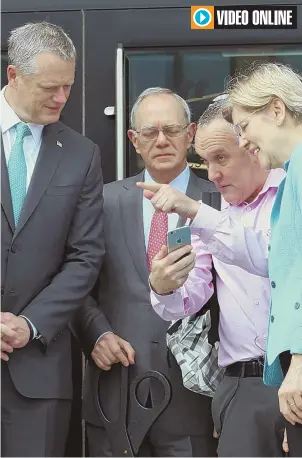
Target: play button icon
(202, 17)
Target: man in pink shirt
(245, 411)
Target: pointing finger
(153, 187)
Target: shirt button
(265, 337)
(256, 303)
(269, 248)
(273, 284)
(272, 318)
(297, 305)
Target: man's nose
(161, 139)
(60, 96)
(213, 173)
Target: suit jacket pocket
(62, 190)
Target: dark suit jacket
(123, 306)
(51, 260)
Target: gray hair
(261, 83)
(214, 111)
(155, 91)
(31, 39)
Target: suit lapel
(47, 162)
(6, 199)
(194, 191)
(131, 205)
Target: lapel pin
(59, 144)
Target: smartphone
(178, 237)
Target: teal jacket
(285, 270)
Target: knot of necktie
(22, 131)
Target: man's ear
(133, 137)
(11, 75)
(191, 132)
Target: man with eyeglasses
(121, 326)
(245, 411)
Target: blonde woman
(265, 107)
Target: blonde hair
(260, 84)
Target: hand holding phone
(169, 269)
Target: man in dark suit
(52, 239)
(121, 327)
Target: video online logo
(202, 17)
(244, 17)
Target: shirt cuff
(99, 338)
(171, 306)
(34, 329)
(206, 222)
(165, 297)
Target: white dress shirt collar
(9, 119)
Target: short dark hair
(214, 111)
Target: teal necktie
(17, 171)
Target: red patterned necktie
(158, 235)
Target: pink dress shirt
(235, 236)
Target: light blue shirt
(32, 143)
(31, 146)
(180, 183)
(285, 270)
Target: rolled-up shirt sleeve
(194, 294)
(232, 242)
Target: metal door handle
(120, 112)
(109, 111)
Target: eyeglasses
(151, 132)
(238, 128)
